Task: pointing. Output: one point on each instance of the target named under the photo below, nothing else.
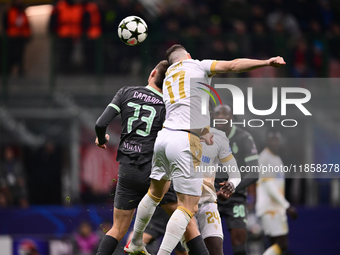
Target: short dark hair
(160, 75)
(172, 49)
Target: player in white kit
(271, 205)
(177, 150)
(208, 217)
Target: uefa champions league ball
(132, 30)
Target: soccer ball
(132, 30)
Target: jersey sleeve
(117, 100)
(111, 111)
(250, 151)
(209, 66)
(224, 150)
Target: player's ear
(189, 56)
(153, 73)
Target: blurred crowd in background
(305, 33)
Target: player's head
(176, 53)
(157, 75)
(273, 139)
(224, 112)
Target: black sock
(197, 246)
(107, 246)
(239, 249)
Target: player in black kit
(143, 112)
(234, 209)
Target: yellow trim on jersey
(173, 68)
(212, 68)
(266, 179)
(224, 160)
(195, 149)
(205, 130)
(186, 211)
(154, 198)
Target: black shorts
(133, 184)
(235, 213)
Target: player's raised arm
(245, 64)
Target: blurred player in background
(207, 216)
(143, 113)
(271, 205)
(177, 148)
(234, 209)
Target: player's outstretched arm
(244, 64)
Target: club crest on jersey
(197, 152)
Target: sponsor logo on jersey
(131, 145)
(206, 159)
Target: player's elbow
(100, 124)
(234, 66)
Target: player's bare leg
(121, 222)
(146, 208)
(238, 240)
(214, 245)
(169, 208)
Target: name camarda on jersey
(147, 98)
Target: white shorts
(176, 156)
(274, 224)
(209, 221)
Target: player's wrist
(102, 141)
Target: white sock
(146, 209)
(174, 230)
(273, 250)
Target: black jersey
(143, 112)
(244, 150)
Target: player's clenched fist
(276, 62)
(226, 190)
(103, 146)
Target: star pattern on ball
(137, 20)
(135, 33)
(132, 30)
